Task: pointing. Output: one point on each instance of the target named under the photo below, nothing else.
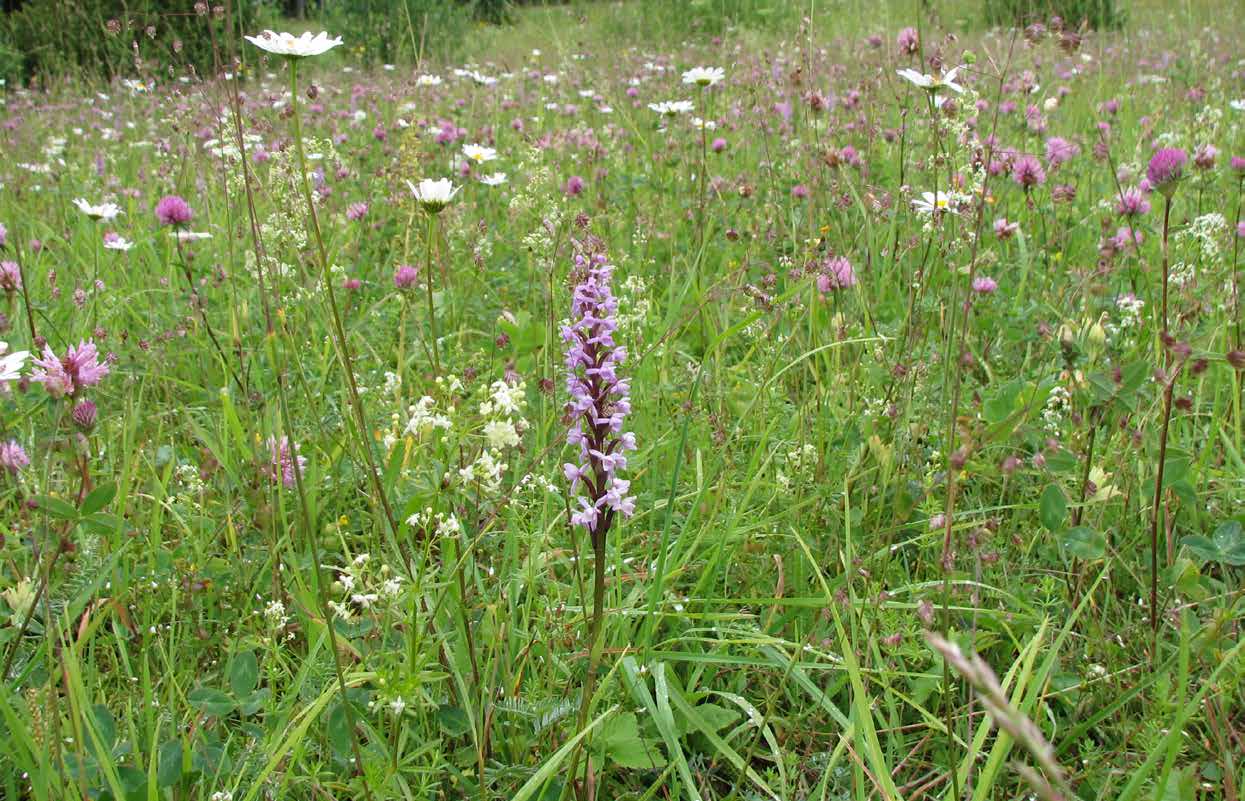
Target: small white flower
(11, 365)
(104, 211)
(501, 434)
(704, 125)
(669, 108)
(190, 236)
(496, 179)
(397, 706)
(930, 83)
(287, 44)
(116, 242)
(928, 203)
(704, 76)
(1238, 105)
(479, 153)
(428, 80)
(434, 195)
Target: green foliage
(675, 21)
(403, 31)
(104, 39)
(1093, 14)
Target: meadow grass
(936, 479)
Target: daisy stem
(297, 470)
(432, 312)
(339, 331)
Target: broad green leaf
(453, 720)
(98, 498)
(1053, 508)
(1084, 542)
(243, 674)
(211, 701)
(169, 762)
(56, 507)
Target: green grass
(823, 476)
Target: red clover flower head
(13, 456)
(281, 461)
(10, 276)
(405, 276)
(173, 210)
(908, 41)
(1133, 203)
(599, 399)
(80, 368)
(1166, 168)
(1027, 171)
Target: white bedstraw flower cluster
(1057, 405)
(503, 411)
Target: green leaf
(106, 725)
(1226, 545)
(338, 725)
(255, 701)
(243, 674)
(1053, 508)
(56, 507)
(620, 743)
(1202, 547)
(98, 498)
(1230, 540)
(453, 720)
(716, 716)
(1061, 460)
(169, 764)
(211, 701)
(1083, 542)
(1000, 406)
(210, 759)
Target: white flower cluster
(503, 410)
(1130, 308)
(444, 525)
(1057, 405)
(363, 589)
(800, 463)
(422, 417)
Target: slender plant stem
(1167, 212)
(343, 348)
(432, 311)
(1158, 509)
(207, 325)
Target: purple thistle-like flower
(837, 274)
(10, 276)
(356, 211)
(1166, 168)
(80, 368)
(84, 415)
(1133, 203)
(173, 210)
(599, 400)
(405, 276)
(984, 285)
(13, 456)
(908, 41)
(1204, 156)
(281, 461)
(1027, 171)
(1060, 150)
(4, 235)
